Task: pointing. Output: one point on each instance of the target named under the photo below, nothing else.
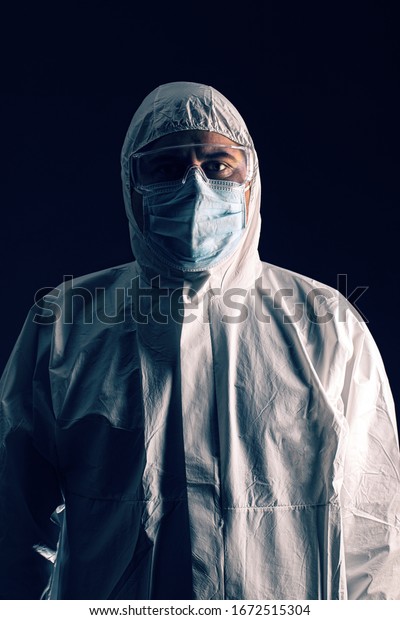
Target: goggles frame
(208, 154)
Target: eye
(216, 169)
(162, 169)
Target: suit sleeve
(29, 489)
(371, 483)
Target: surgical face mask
(194, 223)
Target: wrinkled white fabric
(249, 451)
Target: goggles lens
(218, 162)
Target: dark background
(318, 85)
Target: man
(197, 424)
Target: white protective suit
(249, 451)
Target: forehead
(189, 137)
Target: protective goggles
(217, 162)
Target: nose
(192, 169)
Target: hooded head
(179, 107)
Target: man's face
(193, 157)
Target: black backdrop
(318, 85)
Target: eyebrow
(200, 152)
(203, 151)
(220, 153)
